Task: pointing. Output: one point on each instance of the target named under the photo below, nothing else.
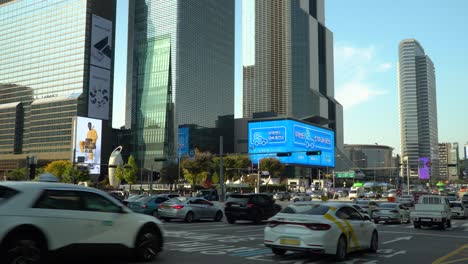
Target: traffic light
(283, 154)
(313, 153)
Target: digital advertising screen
(88, 143)
(183, 141)
(267, 138)
(424, 169)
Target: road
(220, 242)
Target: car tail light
(144, 206)
(311, 226)
(177, 207)
(250, 205)
(160, 206)
(318, 226)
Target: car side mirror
(367, 218)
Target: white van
(356, 193)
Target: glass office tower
(44, 75)
(181, 71)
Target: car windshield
(388, 206)
(238, 199)
(455, 205)
(6, 193)
(309, 209)
(144, 199)
(178, 200)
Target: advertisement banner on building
(303, 144)
(101, 42)
(87, 146)
(183, 141)
(424, 168)
(99, 93)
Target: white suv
(39, 218)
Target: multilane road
(220, 242)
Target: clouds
(356, 74)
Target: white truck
(432, 210)
(356, 193)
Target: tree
(251, 180)
(63, 170)
(119, 173)
(272, 165)
(169, 173)
(57, 167)
(234, 166)
(17, 174)
(130, 171)
(197, 170)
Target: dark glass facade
(181, 72)
(44, 71)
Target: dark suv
(253, 207)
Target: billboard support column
(73, 165)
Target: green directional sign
(346, 174)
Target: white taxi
(328, 228)
(41, 219)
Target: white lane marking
(188, 226)
(246, 231)
(465, 225)
(225, 228)
(397, 239)
(423, 234)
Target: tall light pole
(406, 158)
(258, 176)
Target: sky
(366, 38)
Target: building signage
(87, 143)
(183, 141)
(424, 168)
(267, 138)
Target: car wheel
(189, 217)
(25, 248)
(342, 249)
(155, 213)
(449, 223)
(442, 225)
(218, 216)
(374, 243)
(417, 226)
(148, 244)
(376, 222)
(231, 220)
(278, 251)
(165, 219)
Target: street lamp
(406, 158)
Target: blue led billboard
(183, 141)
(267, 138)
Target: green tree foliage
(63, 170)
(57, 167)
(17, 174)
(251, 180)
(234, 166)
(119, 173)
(169, 173)
(130, 171)
(272, 165)
(197, 170)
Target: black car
(252, 207)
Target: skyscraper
(47, 75)
(288, 61)
(181, 70)
(417, 107)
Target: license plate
(384, 217)
(426, 220)
(293, 242)
(235, 205)
(167, 207)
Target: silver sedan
(189, 209)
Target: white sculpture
(114, 161)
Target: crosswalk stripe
(251, 253)
(465, 225)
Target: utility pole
(221, 169)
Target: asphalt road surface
(223, 243)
